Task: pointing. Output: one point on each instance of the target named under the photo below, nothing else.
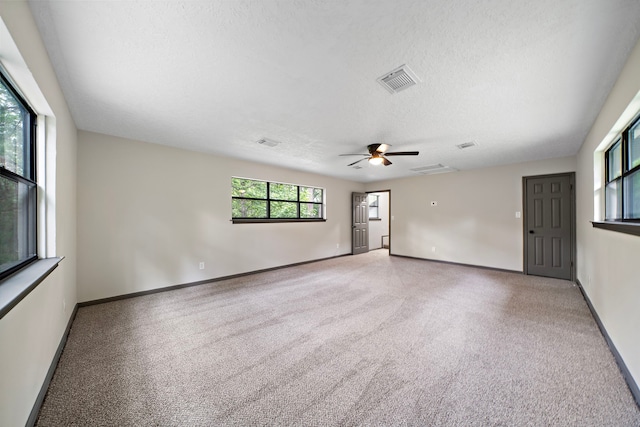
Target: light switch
(517, 214)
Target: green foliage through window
(17, 181)
(261, 200)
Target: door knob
(530, 231)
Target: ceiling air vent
(399, 79)
(267, 142)
(433, 169)
(467, 145)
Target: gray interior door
(549, 224)
(360, 226)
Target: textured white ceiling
(523, 79)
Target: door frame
(572, 204)
(388, 191)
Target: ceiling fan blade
(386, 162)
(402, 153)
(380, 148)
(357, 161)
(373, 148)
(366, 155)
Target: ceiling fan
(377, 154)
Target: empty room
(279, 212)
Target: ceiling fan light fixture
(376, 160)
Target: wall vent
(399, 79)
(357, 167)
(267, 142)
(467, 145)
(433, 169)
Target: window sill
(17, 286)
(621, 227)
(375, 219)
(259, 221)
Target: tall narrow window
(374, 206)
(622, 176)
(17, 181)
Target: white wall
(31, 331)
(474, 221)
(148, 214)
(607, 261)
(377, 229)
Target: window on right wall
(622, 176)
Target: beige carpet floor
(360, 340)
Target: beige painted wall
(474, 221)
(607, 261)
(149, 214)
(31, 331)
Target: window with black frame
(622, 176)
(17, 181)
(262, 201)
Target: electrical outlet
(517, 214)
(433, 248)
(337, 245)
(201, 265)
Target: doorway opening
(379, 220)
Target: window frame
(29, 179)
(269, 199)
(626, 171)
(376, 205)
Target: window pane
(613, 201)
(614, 161)
(634, 146)
(310, 210)
(241, 187)
(283, 192)
(632, 196)
(373, 206)
(310, 194)
(284, 210)
(17, 222)
(243, 208)
(14, 134)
